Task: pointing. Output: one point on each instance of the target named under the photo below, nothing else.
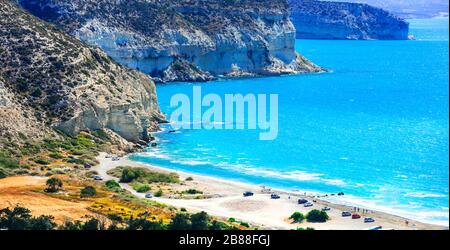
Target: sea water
(376, 127)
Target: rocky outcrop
(349, 21)
(53, 80)
(184, 40)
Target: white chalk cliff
(184, 40)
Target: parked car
(275, 196)
(369, 220)
(309, 204)
(302, 201)
(346, 214)
(87, 166)
(148, 196)
(115, 158)
(108, 156)
(326, 209)
(248, 193)
(356, 216)
(97, 178)
(375, 228)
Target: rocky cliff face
(51, 80)
(352, 21)
(184, 40)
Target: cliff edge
(50, 80)
(345, 21)
(184, 40)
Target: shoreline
(225, 200)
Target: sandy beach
(225, 200)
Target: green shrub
(189, 179)
(297, 217)
(143, 175)
(56, 155)
(88, 191)
(112, 185)
(181, 221)
(231, 220)
(317, 216)
(57, 171)
(192, 191)
(244, 224)
(128, 175)
(20, 218)
(4, 173)
(141, 188)
(158, 193)
(53, 185)
(199, 221)
(41, 161)
(219, 225)
(7, 161)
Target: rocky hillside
(51, 80)
(184, 40)
(338, 20)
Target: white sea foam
(423, 195)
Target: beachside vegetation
(159, 193)
(317, 216)
(192, 191)
(141, 188)
(297, 217)
(112, 185)
(142, 175)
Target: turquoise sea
(375, 128)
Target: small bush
(158, 193)
(56, 155)
(244, 224)
(88, 191)
(192, 191)
(112, 185)
(297, 217)
(141, 188)
(189, 179)
(53, 185)
(41, 161)
(219, 225)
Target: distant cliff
(346, 21)
(184, 40)
(50, 80)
